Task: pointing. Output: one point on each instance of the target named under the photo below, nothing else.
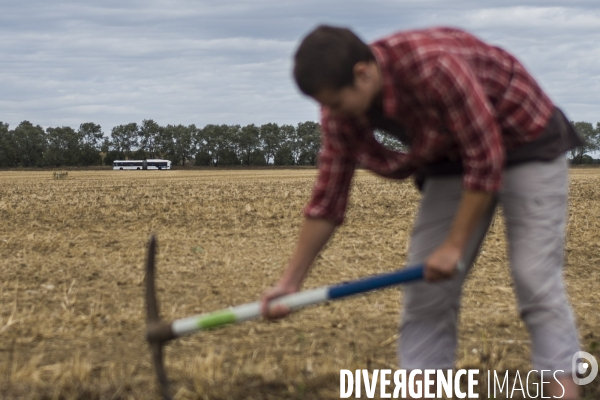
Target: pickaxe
(159, 332)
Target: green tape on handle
(216, 319)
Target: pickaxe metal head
(158, 332)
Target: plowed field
(72, 253)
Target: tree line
(30, 145)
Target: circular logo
(585, 368)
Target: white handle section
(293, 301)
(249, 311)
(185, 326)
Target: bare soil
(72, 252)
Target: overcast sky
(112, 62)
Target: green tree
(63, 147)
(106, 145)
(149, 136)
(124, 139)
(248, 143)
(284, 156)
(8, 147)
(91, 134)
(309, 142)
(287, 152)
(139, 154)
(219, 141)
(30, 144)
(590, 138)
(228, 145)
(228, 156)
(111, 156)
(208, 142)
(271, 140)
(203, 158)
(177, 142)
(587, 159)
(258, 158)
(92, 138)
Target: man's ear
(361, 70)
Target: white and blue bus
(142, 164)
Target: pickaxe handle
(294, 301)
(160, 332)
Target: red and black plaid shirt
(457, 98)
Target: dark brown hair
(326, 57)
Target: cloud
(183, 61)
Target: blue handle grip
(377, 282)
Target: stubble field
(72, 252)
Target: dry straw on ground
(72, 254)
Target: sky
(63, 63)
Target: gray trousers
(533, 197)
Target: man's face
(347, 101)
(353, 100)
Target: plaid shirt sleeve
(469, 117)
(336, 168)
